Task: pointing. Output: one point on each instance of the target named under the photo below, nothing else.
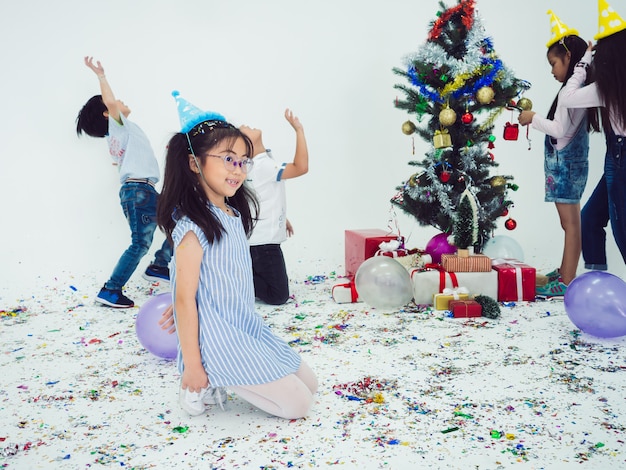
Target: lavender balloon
(437, 246)
(150, 334)
(596, 303)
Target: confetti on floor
(407, 389)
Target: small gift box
(344, 292)
(472, 264)
(441, 301)
(413, 258)
(442, 139)
(465, 308)
(516, 280)
(363, 244)
(511, 131)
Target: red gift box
(362, 245)
(465, 308)
(511, 131)
(516, 280)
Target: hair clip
(207, 126)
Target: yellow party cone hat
(609, 22)
(558, 29)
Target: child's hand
(590, 46)
(167, 320)
(525, 117)
(293, 120)
(98, 69)
(289, 228)
(194, 379)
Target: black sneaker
(157, 273)
(114, 298)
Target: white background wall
(329, 60)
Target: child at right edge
(607, 203)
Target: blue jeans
(271, 283)
(607, 203)
(139, 201)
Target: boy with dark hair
(105, 116)
(267, 178)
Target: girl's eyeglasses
(231, 164)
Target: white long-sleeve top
(563, 126)
(573, 96)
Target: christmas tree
(466, 222)
(457, 80)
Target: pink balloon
(437, 246)
(150, 334)
(596, 303)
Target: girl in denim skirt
(566, 154)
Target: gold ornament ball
(525, 104)
(447, 117)
(498, 182)
(408, 128)
(485, 95)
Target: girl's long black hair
(609, 71)
(182, 193)
(577, 47)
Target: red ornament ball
(444, 176)
(505, 212)
(467, 118)
(510, 224)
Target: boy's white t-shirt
(130, 148)
(265, 179)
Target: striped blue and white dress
(236, 345)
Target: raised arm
(300, 164)
(572, 95)
(105, 89)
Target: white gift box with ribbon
(344, 292)
(434, 280)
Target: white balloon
(384, 283)
(502, 246)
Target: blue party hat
(190, 115)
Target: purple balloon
(150, 334)
(437, 246)
(596, 303)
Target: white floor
(409, 389)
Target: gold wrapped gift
(441, 300)
(442, 139)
